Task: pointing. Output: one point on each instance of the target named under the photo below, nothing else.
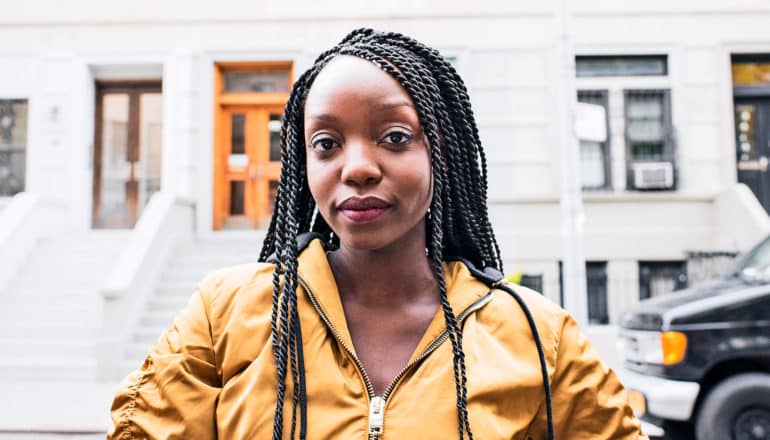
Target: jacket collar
(463, 290)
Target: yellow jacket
(212, 374)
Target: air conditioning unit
(653, 175)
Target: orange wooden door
(248, 165)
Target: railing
(164, 221)
(25, 219)
(740, 221)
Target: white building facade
(104, 104)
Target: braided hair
(457, 224)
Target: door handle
(754, 165)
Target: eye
(397, 137)
(323, 144)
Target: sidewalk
(79, 408)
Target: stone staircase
(189, 262)
(50, 313)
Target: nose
(361, 166)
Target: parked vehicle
(702, 354)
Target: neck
(397, 274)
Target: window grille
(596, 289)
(649, 138)
(661, 277)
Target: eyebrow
(392, 105)
(377, 108)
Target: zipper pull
(376, 411)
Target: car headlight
(652, 347)
(674, 346)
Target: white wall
(505, 51)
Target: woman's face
(368, 162)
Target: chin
(362, 240)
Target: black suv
(702, 355)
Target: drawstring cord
(302, 390)
(540, 353)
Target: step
(47, 370)
(207, 261)
(36, 435)
(168, 304)
(51, 330)
(41, 311)
(136, 352)
(38, 351)
(189, 276)
(181, 290)
(69, 293)
(219, 250)
(148, 335)
(33, 282)
(157, 319)
(128, 366)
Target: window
(644, 112)
(532, 281)
(13, 145)
(661, 277)
(650, 155)
(629, 65)
(751, 70)
(596, 289)
(257, 81)
(594, 156)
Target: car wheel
(738, 408)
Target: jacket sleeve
(588, 400)
(174, 393)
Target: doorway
(127, 151)
(247, 151)
(751, 91)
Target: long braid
(458, 224)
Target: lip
(363, 209)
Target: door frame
(134, 88)
(224, 102)
(760, 173)
(741, 94)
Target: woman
(379, 288)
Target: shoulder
(507, 313)
(237, 289)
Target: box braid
(457, 223)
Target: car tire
(737, 407)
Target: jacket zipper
(377, 403)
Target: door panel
(752, 129)
(127, 153)
(250, 158)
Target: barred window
(13, 145)
(596, 290)
(650, 148)
(661, 277)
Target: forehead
(348, 78)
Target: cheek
(315, 181)
(422, 180)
